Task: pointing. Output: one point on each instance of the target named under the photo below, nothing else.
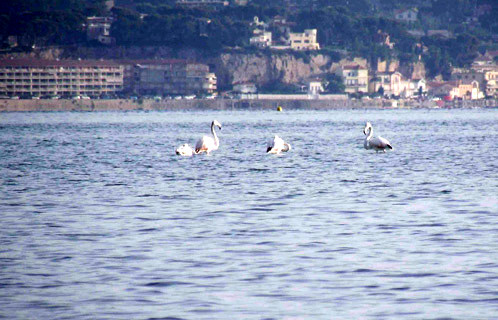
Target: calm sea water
(101, 220)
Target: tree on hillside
(333, 83)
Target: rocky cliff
(264, 68)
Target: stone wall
(224, 104)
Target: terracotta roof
(152, 61)
(435, 84)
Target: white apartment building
(33, 77)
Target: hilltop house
(406, 15)
(99, 28)
(261, 38)
(443, 34)
(304, 41)
(202, 3)
(484, 63)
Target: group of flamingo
(276, 145)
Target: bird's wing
(200, 145)
(379, 142)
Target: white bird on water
(208, 143)
(185, 150)
(377, 143)
(277, 145)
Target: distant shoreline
(229, 104)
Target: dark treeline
(353, 26)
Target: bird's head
(216, 123)
(368, 126)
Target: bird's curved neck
(369, 133)
(216, 140)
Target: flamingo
(185, 150)
(277, 145)
(207, 143)
(377, 143)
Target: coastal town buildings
(33, 77)
(456, 89)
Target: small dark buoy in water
(279, 108)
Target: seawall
(225, 104)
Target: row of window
(61, 68)
(34, 87)
(61, 74)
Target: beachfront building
(388, 83)
(304, 41)
(469, 75)
(355, 78)
(441, 88)
(491, 78)
(33, 77)
(456, 89)
(169, 77)
(467, 91)
(315, 87)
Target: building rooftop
(56, 63)
(354, 67)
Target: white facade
(304, 41)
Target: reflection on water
(101, 220)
